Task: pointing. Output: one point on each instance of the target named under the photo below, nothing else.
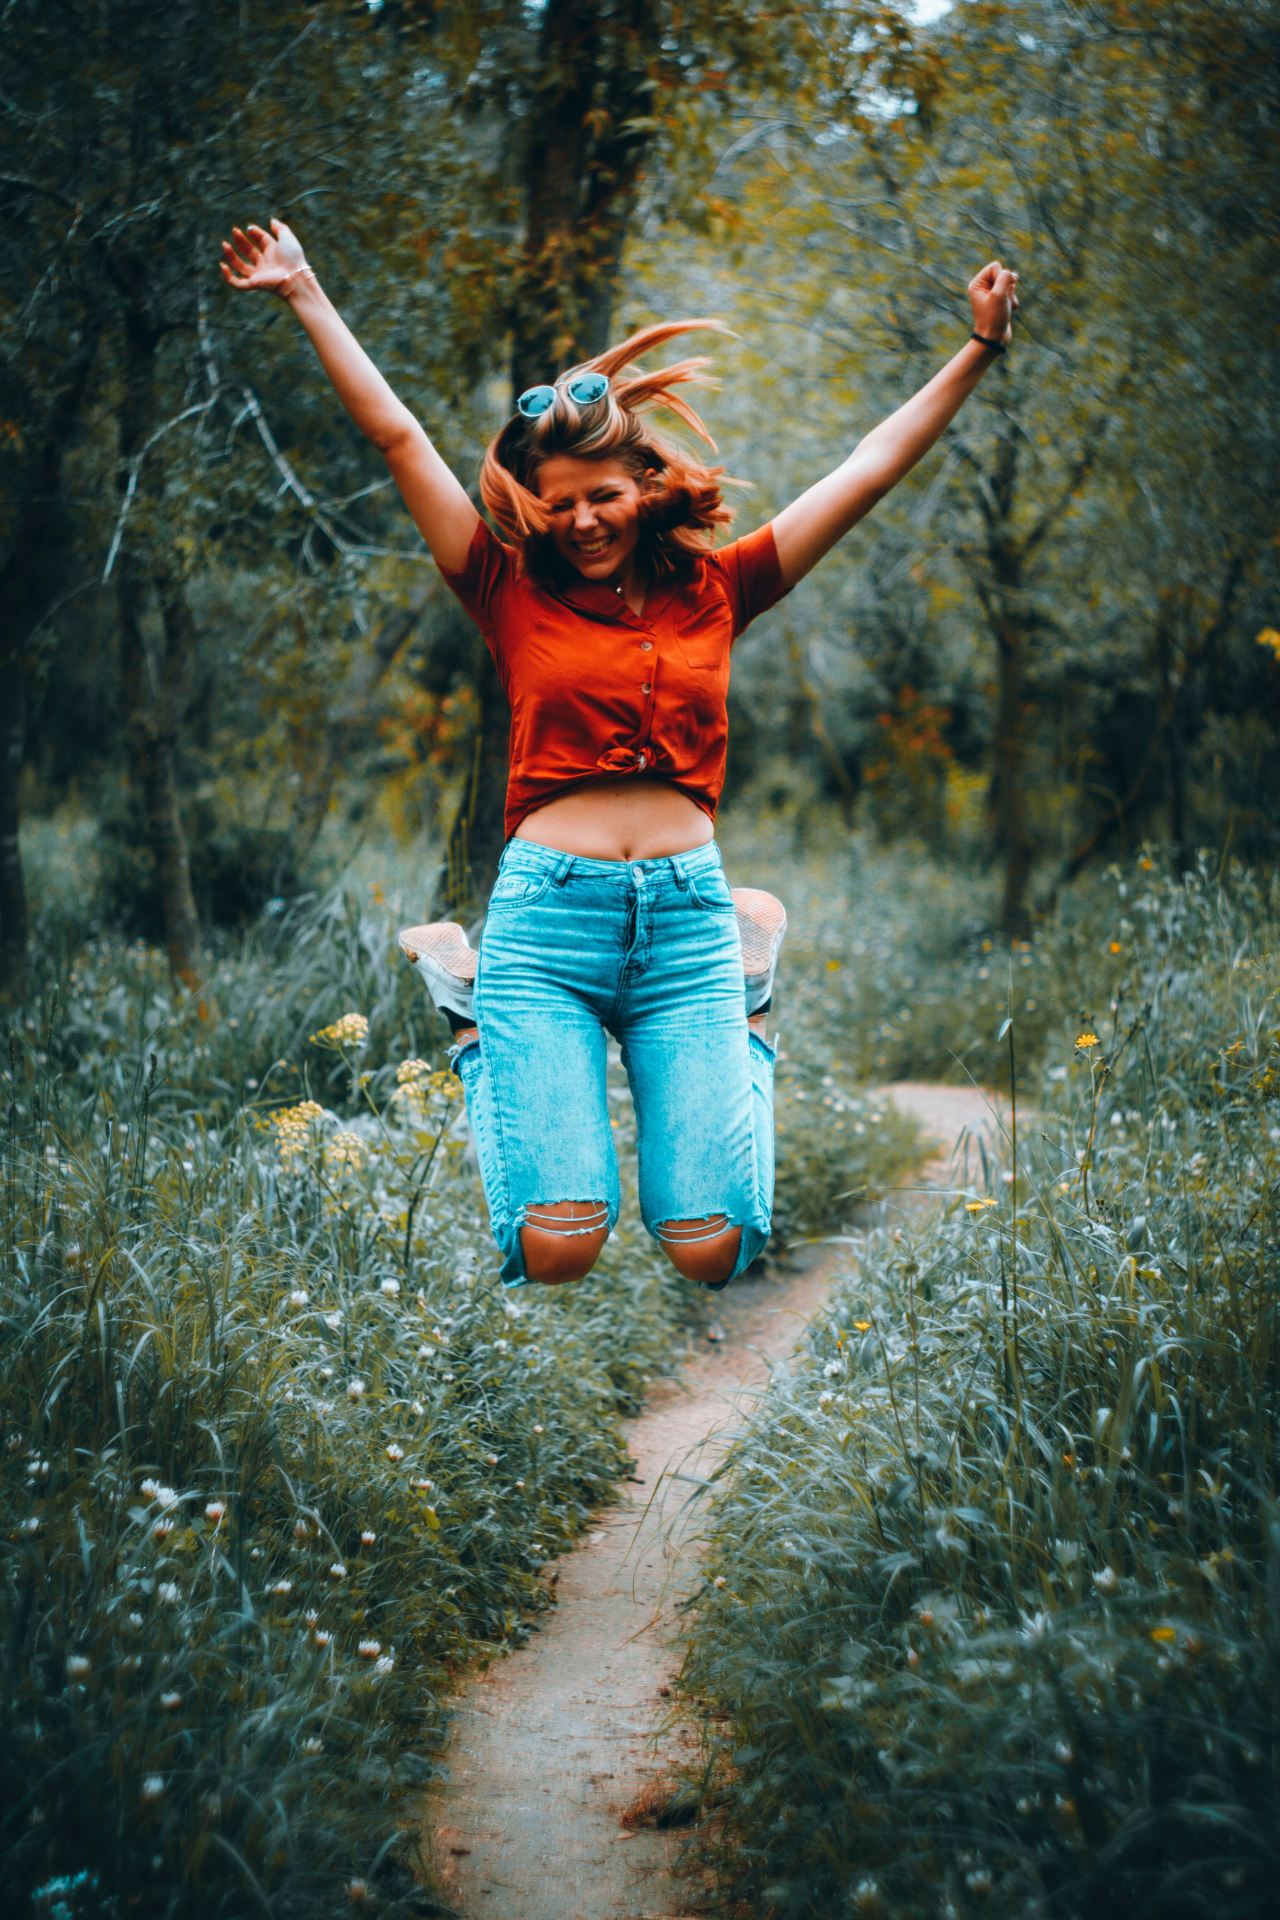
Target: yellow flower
(1164, 1635)
(410, 1071)
(352, 1030)
(293, 1127)
(979, 1206)
(1114, 947)
(344, 1150)
(863, 1326)
(1147, 863)
(1270, 638)
(1086, 1040)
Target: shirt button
(646, 646)
(647, 687)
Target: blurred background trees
(226, 655)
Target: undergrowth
(990, 1614)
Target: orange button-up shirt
(597, 690)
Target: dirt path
(556, 1742)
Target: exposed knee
(702, 1250)
(562, 1241)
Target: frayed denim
(646, 950)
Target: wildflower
(31, 1525)
(153, 1786)
(862, 1326)
(390, 1288)
(369, 1649)
(979, 1882)
(719, 1582)
(979, 1206)
(338, 1571)
(1164, 1636)
(1270, 639)
(346, 1149)
(355, 1389)
(357, 1892)
(299, 1297)
(1086, 1040)
(215, 1510)
(168, 1592)
(351, 1030)
(1106, 1580)
(409, 1072)
(367, 1539)
(171, 1702)
(135, 1621)
(321, 1636)
(539, 1429)
(282, 1587)
(313, 1744)
(1146, 863)
(162, 1529)
(832, 1368)
(425, 1486)
(293, 1127)
(78, 1668)
(384, 1665)
(395, 1453)
(162, 1496)
(333, 1320)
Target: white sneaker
(762, 925)
(446, 962)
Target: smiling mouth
(591, 547)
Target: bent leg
(563, 1241)
(704, 1250)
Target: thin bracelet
(997, 344)
(293, 276)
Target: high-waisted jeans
(647, 950)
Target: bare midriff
(602, 820)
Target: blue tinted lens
(534, 401)
(587, 388)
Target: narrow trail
(554, 1745)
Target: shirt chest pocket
(703, 645)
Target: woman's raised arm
(814, 522)
(434, 496)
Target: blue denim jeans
(647, 950)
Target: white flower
(355, 1389)
(720, 1581)
(321, 1636)
(369, 1649)
(395, 1453)
(162, 1529)
(215, 1510)
(384, 1665)
(1106, 1580)
(312, 1744)
(31, 1525)
(281, 1587)
(826, 1401)
(153, 1786)
(491, 1459)
(168, 1591)
(334, 1320)
(367, 1539)
(338, 1571)
(135, 1621)
(298, 1298)
(163, 1496)
(78, 1668)
(539, 1429)
(832, 1368)
(170, 1702)
(390, 1287)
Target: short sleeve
(753, 575)
(484, 578)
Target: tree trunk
(154, 687)
(590, 128)
(13, 893)
(30, 579)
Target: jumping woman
(610, 615)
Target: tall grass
(278, 1455)
(990, 1617)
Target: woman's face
(595, 513)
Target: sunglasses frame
(598, 383)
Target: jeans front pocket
(519, 887)
(710, 891)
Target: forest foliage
(225, 644)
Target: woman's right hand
(261, 259)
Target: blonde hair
(682, 503)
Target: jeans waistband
(532, 857)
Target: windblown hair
(682, 504)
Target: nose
(584, 517)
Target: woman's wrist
(987, 340)
(295, 280)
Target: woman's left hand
(993, 295)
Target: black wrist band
(997, 344)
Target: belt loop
(677, 867)
(563, 870)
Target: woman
(610, 621)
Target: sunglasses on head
(584, 389)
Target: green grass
(989, 1622)
(279, 1456)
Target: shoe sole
(445, 946)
